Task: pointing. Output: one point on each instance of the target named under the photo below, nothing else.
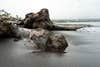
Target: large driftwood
(61, 28)
(41, 20)
(39, 33)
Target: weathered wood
(39, 33)
(41, 20)
(61, 28)
(44, 40)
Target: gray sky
(59, 9)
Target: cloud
(59, 9)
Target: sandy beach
(83, 51)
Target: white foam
(89, 29)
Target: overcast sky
(59, 9)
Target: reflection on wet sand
(83, 51)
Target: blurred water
(83, 51)
(90, 23)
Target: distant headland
(76, 20)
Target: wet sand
(83, 51)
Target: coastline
(83, 51)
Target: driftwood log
(39, 38)
(41, 20)
(37, 28)
(43, 40)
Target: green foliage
(5, 16)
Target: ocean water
(83, 51)
(90, 23)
